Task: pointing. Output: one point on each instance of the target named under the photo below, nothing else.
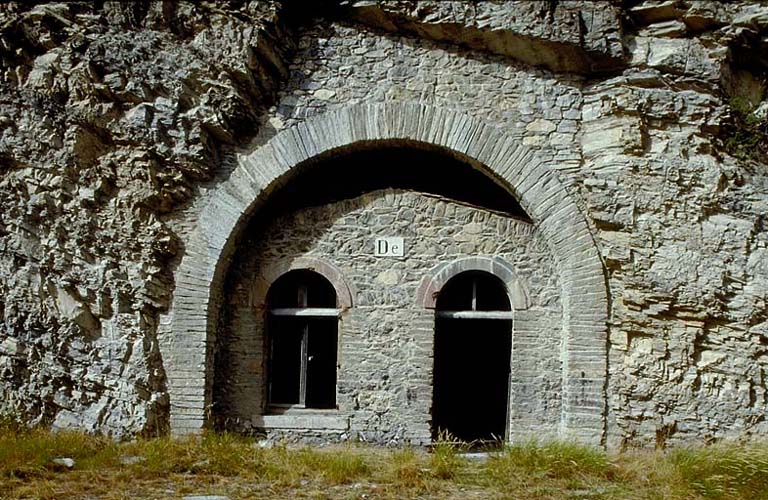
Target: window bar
(506, 315)
(270, 367)
(304, 348)
(306, 312)
(474, 294)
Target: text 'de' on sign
(389, 247)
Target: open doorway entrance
(473, 344)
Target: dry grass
(235, 466)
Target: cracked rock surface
(110, 117)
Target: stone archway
(187, 353)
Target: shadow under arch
(500, 154)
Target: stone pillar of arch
(187, 353)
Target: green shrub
(745, 135)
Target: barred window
(302, 336)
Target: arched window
(473, 344)
(302, 334)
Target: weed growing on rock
(746, 136)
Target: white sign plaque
(389, 247)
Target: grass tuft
(724, 471)
(28, 453)
(406, 469)
(445, 461)
(558, 459)
(337, 465)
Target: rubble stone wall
(386, 337)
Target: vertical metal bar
(304, 362)
(302, 299)
(304, 348)
(474, 294)
(270, 364)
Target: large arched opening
(190, 352)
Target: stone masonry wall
(681, 224)
(117, 121)
(386, 338)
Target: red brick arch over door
(187, 352)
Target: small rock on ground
(131, 460)
(475, 457)
(64, 462)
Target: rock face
(111, 119)
(562, 36)
(119, 120)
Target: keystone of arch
(188, 350)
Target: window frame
(472, 312)
(307, 315)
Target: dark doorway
(473, 343)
